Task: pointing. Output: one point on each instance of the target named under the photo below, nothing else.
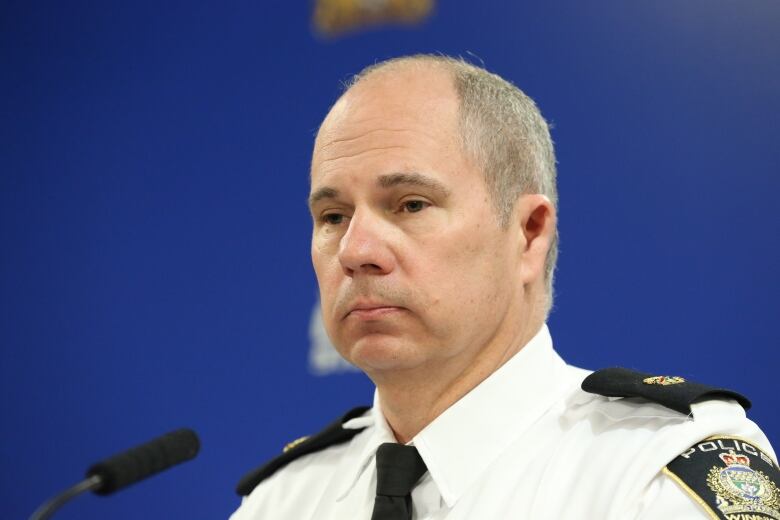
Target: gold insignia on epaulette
(663, 380)
(293, 444)
(337, 16)
(741, 489)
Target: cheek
(323, 270)
(324, 243)
(326, 279)
(476, 268)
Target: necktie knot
(398, 468)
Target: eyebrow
(413, 179)
(322, 193)
(388, 181)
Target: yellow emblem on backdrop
(333, 17)
(663, 380)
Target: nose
(364, 248)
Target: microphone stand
(47, 509)
(128, 468)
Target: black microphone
(129, 467)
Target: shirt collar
(464, 440)
(359, 459)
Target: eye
(334, 219)
(414, 206)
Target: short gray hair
(503, 130)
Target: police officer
(434, 201)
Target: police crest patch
(730, 477)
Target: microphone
(129, 467)
(144, 461)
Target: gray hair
(504, 132)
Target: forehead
(405, 91)
(409, 113)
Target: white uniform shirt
(527, 443)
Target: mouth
(371, 311)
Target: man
(434, 243)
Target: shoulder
(323, 442)
(674, 392)
(637, 403)
(637, 407)
(643, 427)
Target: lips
(369, 311)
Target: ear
(537, 218)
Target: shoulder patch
(730, 478)
(333, 434)
(673, 392)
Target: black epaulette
(671, 391)
(333, 434)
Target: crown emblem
(663, 380)
(732, 459)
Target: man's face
(413, 267)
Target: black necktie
(398, 468)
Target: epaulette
(333, 434)
(671, 391)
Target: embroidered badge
(663, 380)
(743, 489)
(731, 478)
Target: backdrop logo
(334, 17)
(323, 358)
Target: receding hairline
(387, 68)
(443, 63)
(375, 72)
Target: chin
(379, 352)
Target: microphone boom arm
(47, 509)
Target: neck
(413, 399)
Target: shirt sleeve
(664, 498)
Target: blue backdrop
(154, 236)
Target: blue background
(154, 237)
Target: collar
(362, 458)
(460, 444)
